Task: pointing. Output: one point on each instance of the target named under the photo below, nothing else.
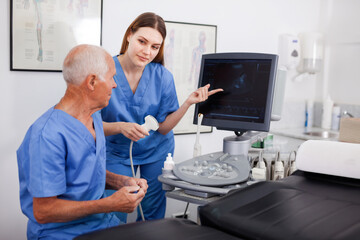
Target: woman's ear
(128, 37)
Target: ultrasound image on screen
(245, 84)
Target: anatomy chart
(185, 44)
(43, 31)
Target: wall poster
(43, 31)
(184, 45)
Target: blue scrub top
(59, 157)
(156, 96)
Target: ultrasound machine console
(248, 81)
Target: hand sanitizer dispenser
(289, 51)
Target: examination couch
(321, 200)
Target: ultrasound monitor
(248, 81)
(245, 107)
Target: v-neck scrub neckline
(125, 86)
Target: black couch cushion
(302, 206)
(164, 229)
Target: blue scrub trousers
(154, 202)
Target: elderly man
(62, 158)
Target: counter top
(300, 133)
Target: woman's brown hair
(147, 19)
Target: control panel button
(204, 163)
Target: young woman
(144, 87)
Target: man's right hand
(126, 199)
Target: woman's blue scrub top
(156, 96)
(59, 157)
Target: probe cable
(133, 173)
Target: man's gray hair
(83, 60)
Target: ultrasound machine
(244, 107)
(320, 200)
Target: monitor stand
(231, 166)
(241, 142)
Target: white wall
(242, 26)
(343, 35)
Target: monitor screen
(248, 82)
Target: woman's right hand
(133, 131)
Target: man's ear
(91, 81)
